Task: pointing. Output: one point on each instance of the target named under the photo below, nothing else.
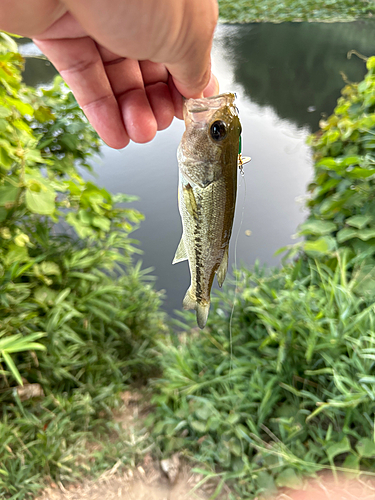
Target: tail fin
(201, 309)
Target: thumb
(191, 64)
(188, 84)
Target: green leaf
(5, 159)
(361, 173)
(203, 412)
(102, 223)
(198, 426)
(5, 112)
(49, 268)
(346, 234)
(234, 446)
(45, 295)
(62, 296)
(366, 448)
(8, 194)
(83, 230)
(318, 227)
(328, 162)
(16, 254)
(339, 448)
(42, 202)
(3, 214)
(44, 114)
(351, 462)
(359, 221)
(12, 367)
(289, 479)
(69, 141)
(233, 418)
(365, 280)
(320, 246)
(23, 107)
(33, 156)
(370, 63)
(266, 482)
(366, 234)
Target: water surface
(286, 77)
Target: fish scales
(208, 161)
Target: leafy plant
(67, 279)
(281, 384)
(293, 10)
(288, 395)
(341, 203)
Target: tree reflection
(295, 67)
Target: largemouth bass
(208, 162)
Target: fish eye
(218, 131)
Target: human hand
(129, 64)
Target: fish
(208, 160)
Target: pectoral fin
(223, 268)
(190, 201)
(180, 252)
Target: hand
(128, 62)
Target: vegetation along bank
(290, 393)
(274, 11)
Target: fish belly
(207, 217)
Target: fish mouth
(209, 103)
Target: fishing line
(235, 266)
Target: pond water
(286, 77)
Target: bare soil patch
(170, 479)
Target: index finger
(79, 63)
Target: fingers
(212, 87)
(126, 80)
(211, 90)
(125, 99)
(155, 77)
(122, 99)
(65, 27)
(142, 94)
(79, 63)
(190, 62)
(176, 33)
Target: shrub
(247, 11)
(281, 383)
(67, 279)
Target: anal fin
(180, 252)
(223, 268)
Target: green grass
(281, 385)
(246, 11)
(94, 312)
(63, 438)
(296, 394)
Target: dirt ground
(133, 485)
(170, 479)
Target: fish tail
(201, 308)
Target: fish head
(210, 143)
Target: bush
(66, 280)
(247, 11)
(281, 383)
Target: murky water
(286, 76)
